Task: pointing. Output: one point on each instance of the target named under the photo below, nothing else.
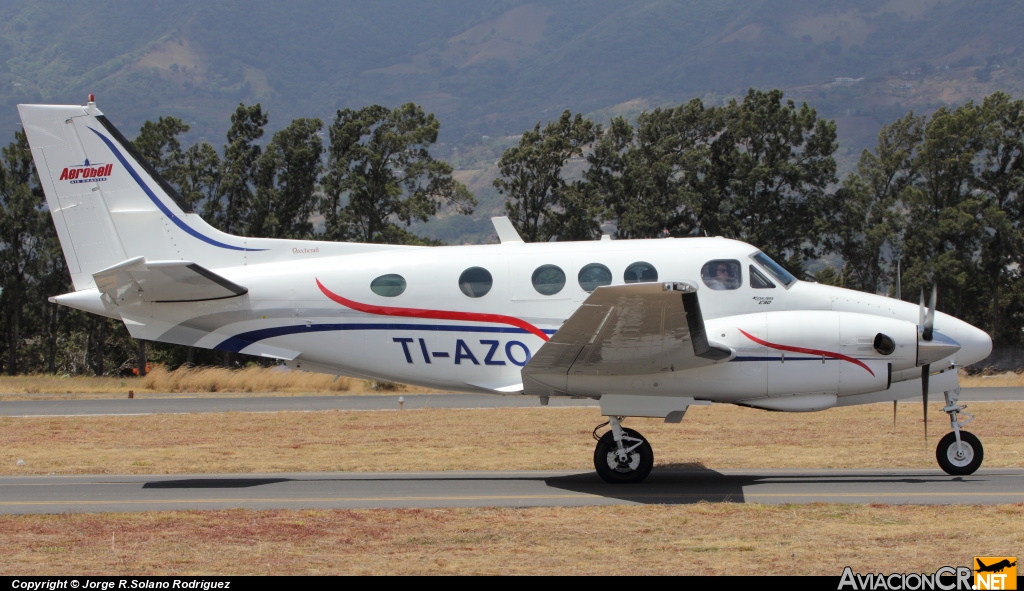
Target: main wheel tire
(959, 462)
(635, 469)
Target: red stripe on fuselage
(432, 314)
(839, 356)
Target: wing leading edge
(624, 330)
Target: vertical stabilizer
(107, 203)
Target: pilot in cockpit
(721, 275)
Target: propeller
(926, 316)
(899, 296)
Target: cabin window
(548, 279)
(758, 280)
(721, 274)
(640, 272)
(593, 276)
(783, 276)
(388, 286)
(475, 282)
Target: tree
(23, 225)
(1000, 181)
(864, 217)
(647, 178)
(158, 144)
(200, 180)
(771, 166)
(380, 174)
(944, 230)
(287, 178)
(539, 201)
(237, 170)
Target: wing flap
(164, 281)
(625, 330)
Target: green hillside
(496, 67)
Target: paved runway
(162, 404)
(105, 493)
(153, 404)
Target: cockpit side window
(722, 274)
(758, 280)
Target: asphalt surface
(155, 404)
(105, 493)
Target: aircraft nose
(975, 344)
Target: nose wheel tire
(638, 461)
(959, 460)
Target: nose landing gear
(959, 453)
(622, 455)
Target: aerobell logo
(86, 173)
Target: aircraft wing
(635, 329)
(164, 281)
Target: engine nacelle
(816, 355)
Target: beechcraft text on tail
(646, 327)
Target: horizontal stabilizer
(164, 281)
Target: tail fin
(108, 204)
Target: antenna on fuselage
(505, 230)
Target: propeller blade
(920, 310)
(899, 289)
(929, 319)
(924, 397)
(893, 417)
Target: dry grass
(715, 437)
(248, 380)
(705, 538)
(1007, 379)
(700, 539)
(196, 380)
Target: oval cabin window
(388, 286)
(548, 279)
(594, 276)
(475, 282)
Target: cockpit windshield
(776, 270)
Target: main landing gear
(622, 455)
(959, 453)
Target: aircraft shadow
(685, 486)
(680, 484)
(214, 482)
(662, 487)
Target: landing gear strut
(622, 455)
(959, 453)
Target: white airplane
(647, 327)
